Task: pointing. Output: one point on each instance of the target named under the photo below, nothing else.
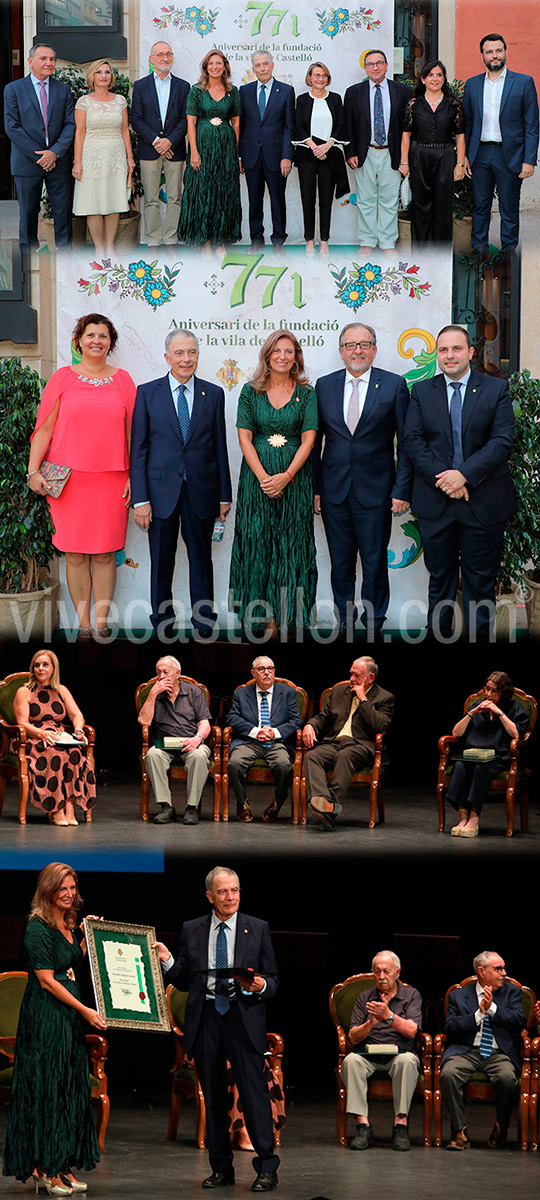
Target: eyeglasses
(350, 346)
(265, 670)
(379, 63)
(169, 54)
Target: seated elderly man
(264, 721)
(384, 1024)
(483, 1033)
(176, 709)
(346, 728)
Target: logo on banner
(371, 282)
(230, 374)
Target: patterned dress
(211, 209)
(273, 554)
(103, 187)
(57, 773)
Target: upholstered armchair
(176, 770)
(259, 772)
(372, 776)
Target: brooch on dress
(216, 121)
(70, 973)
(277, 439)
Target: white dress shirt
(163, 89)
(385, 96)
(479, 1017)
(363, 381)
(493, 90)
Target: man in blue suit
(225, 1020)
(158, 116)
(39, 121)
(264, 721)
(501, 128)
(483, 1033)
(459, 433)
(357, 484)
(180, 478)
(265, 147)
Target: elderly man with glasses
(264, 719)
(158, 116)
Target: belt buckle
(216, 121)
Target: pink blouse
(90, 429)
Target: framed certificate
(126, 975)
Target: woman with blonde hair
(50, 1130)
(273, 555)
(211, 212)
(60, 774)
(318, 138)
(103, 158)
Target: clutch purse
(55, 477)
(405, 192)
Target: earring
(294, 368)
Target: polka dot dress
(57, 773)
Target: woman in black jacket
(318, 137)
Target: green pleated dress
(211, 210)
(50, 1117)
(273, 554)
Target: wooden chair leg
(373, 803)
(88, 816)
(217, 795)
(341, 1111)
(174, 1114)
(533, 1105)
(524, 1119)
(3, 782)
(23, 791)
(144, 803)
(201, 1113)
(303, 801)
(440, 806)
(437, 1115)
(225, 794)
(103, 1120)
(295, 799)
(509, 811)
(428, 1116)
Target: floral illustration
(340, 20)
(426, 360)
(371, 282)
(411, 529)
(142, 280)
(198, 20)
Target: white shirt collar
(363, 378)
(500, 78)
(463, 381)
(230, 922)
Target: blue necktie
(262, 100)
(222, 960)
(455, 420)
(265, 711)
(379, 131)
(486, 1040)
(182, 410)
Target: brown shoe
(497, 1136)
(272, 812)
(243, 812)
(459, 1141)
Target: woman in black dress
(489, 725)
(433, 133)
(317, 138)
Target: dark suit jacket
(146, 117)
(358, 120)
(364, 459)
(487, 434)
(159, 458)
(284, 714)
(518, 119)
(460, 1026)
(302, 130)
(370, 718)
(25, 126)
(253, 948)
(270, 137)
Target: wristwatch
(390, 1020)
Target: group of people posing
(327, 449)
(381, 129)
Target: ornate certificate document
(126, 975)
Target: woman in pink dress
(84, 422)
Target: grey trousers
(357, 1069)
(151, 178)
(277, 757)
(196, 765)
(501, 1073)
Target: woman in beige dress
(103, 157)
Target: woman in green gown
(50, 1129)
(211, 211)
(273, 555)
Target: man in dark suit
(264, 719)
(501, 129)
(357, 486)
(345, 730)
(39, 121)
(265, 147)
(483, 1033)
(158, 116)
(180, 477)
(374, 112)
(458, 433)
(225, 1020)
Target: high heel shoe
(53, 822)
(74, 1184)
(54, 1189)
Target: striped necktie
(222, 960)
(265, 711)
(486, 1040)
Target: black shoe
(219, 1179)
(271, 813)
(363, 1138)
(167, 814)
(191, 815)
(400, 1138)
(265, 1182)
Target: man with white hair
(384, 1023)
(176, 709)
(158, 116)
(483, 1033)
(265, 147)
(264, 720)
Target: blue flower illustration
(139, 272)
(342, 14)
(369, 275)
(353, 295)
(193, 13)
(156, 294)
(202, 26)
(330, 27)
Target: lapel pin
(245, 930)
(376, 385)
(203, 393)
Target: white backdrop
(231, 305)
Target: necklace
(96, 382)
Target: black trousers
(313, 173)
(470, 782)
(163, 541)
(220, 1038)
(458, 540)
(432, 193)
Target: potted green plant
(28, 594)
(521, 560)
